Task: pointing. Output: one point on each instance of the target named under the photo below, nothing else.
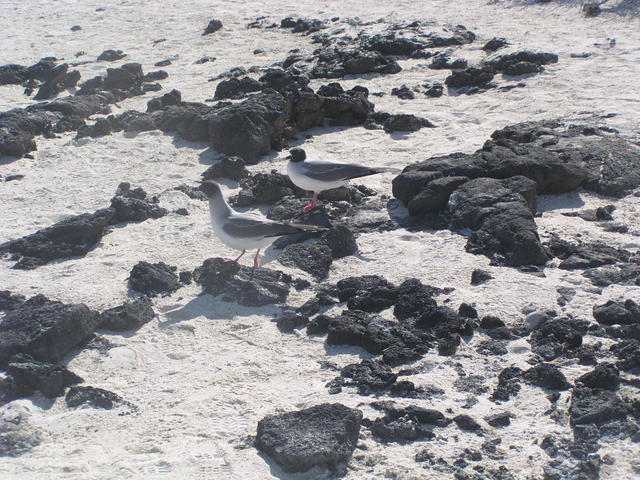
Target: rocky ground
(475, 315)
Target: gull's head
(210, 188)
(297, 155)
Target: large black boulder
(45, 329)
(315, 258)
(228, 167)
(504, 59)
(154, 278)
(251, 128)
(595, 406)
(92, 397)
(49, 378)
(247, 286)
(617, 312)
(235, 87)
(128, 316)
(324, 435)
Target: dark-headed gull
(244, 231)
(320, 175)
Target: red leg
(234, 259)
(256, 262)
(312, 204)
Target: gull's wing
(252, 226)
(333, 172)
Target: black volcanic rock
(595, 406)
(369, 376)
(505, 59)
(340, 240)
(45, 329)
(49, 378)
(494, 44)
(479, 276)
(615, 312)
(111, 55)
(10, 301)
(235, 87)
(92, 397)
(500, 419)
(469, 77)
(315, 258)
(247, 286)
(605, 376)
(128, 316)
(508, 384)
(466, 422)
(266, 188)
(213, 26)
(324, 435)
(370, 293)
(251, 128)
(547, 376)
(227, 167)
(154, 278)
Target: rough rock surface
(152, 279)
(324, 435)
(128, 316)
(45, 329)
(244, 285)
(49, 378)
(93, 397)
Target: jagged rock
(605, 376)
(547, 376)
(10, 301)
(174, 97)
(502, 225)
(628, 352)
(434, 196)
(315, 258)
(506, 58)
(403, 92)
(283, 80)
(465, 422)
(128, 316)
(335, 62)
(443, 61)
(522, 68)
(59, 80)
(469, 77)
(370, 293)
(501, 419)
(595, 406)
(45, 329)
(479, 276)
(613, 312)
(92, 397)
(227, 167)
(49, 378)
(340, 240)
(213, 26)
(291, 321)
(586, 255)
(244, 285)
(508, 384)
(131, 205)
(154, 278)
(494, 44)
(323, 435)
(111, 55)
(266, 188)
(251, 128)
(368, 376)
(557, 337)
(414, 299)
(403, 122)
(235, 87)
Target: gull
(320, 175)
(244, 231)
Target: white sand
(204, 372)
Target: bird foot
(256, 263)
(308, 207)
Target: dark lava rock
(605, 376)
(595, 406)
(92, 397)
(49, 378)
(508, 384)
(494, 44)
(617, 313)
(154, 278)
(407, 424)
(628, 351)
(72, 237)
(288, 322)
(213, 26)
(414, 299)
(132, 206)
(469, 77)
(490, 322)
(228, 167)
(10, 301)
(45, 329)
(111, 55)
(283, 80)
(547, 376)
(443, 60)
(465, 422)
(370, 293)
(235, 87)
(557, 337)
(192, 192)
(479, 276)
(128, 316)
(369, 376)
(324, 435)
(467, 310)
(403, 92)
(624, 274)
(59, 80)
(251, 287)
(318, 325)
(505, 59)
(435, 195)
(501, 419)
(174, 97)
(315, 259)
(502, 225)
(522, 68)
(404, 122)
(586, 255)
(340, 240)
(251, 128)
(155, 76)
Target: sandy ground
(204, 371)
